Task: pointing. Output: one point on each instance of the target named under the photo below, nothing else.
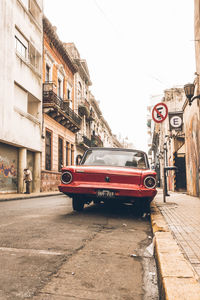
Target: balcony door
(47, 73)
(60, 86)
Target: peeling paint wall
(192, 153)
(173, 140)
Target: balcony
(96, 141)
(83, 141)
(91, 116)
(84, 107)
(59, 109)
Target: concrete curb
(12, 197)
(176, 277)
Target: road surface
(47, 251)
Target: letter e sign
(175, 120)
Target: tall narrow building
(60, 119)
(20, 93)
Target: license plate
(105, 194)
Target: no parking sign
(159, 112)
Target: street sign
(159, 112)
(175, 121)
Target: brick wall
(50, 181)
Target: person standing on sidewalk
(27, 179)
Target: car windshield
(118, 158)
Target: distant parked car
(110, 174)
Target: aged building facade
(167, 142)
(21, 93)
(174, 139)
(192, 118)
(82, 104)
(184, 146)
(60, 119)
(48, 115)
(95, 131)
(101, 134)
(72, 119)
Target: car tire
(142, 206)
(77, 203)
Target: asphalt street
(47, 251)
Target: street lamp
(189, 92)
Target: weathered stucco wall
(17, 125)
(191, 119)
(8, 168)
(192, 128)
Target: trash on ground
(133, 255)
(149, 251)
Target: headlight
(66, 177)
(150, 182)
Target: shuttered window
(72, 154)
(48, 150)
(67, 153)
(60, 154)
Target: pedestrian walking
(27, 179)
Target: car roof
(114, 149)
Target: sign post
(159, 114)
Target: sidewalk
(7, 197)
(176, 228)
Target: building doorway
(180, 175)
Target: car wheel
(142, 206)
(77, 203)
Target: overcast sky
(133, 48)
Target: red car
(110, 174)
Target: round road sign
(176, 121)
(159, 112)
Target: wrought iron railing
(86, 141)
(82, 139)
(83, 101)
(49, 96)
(96, 141)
